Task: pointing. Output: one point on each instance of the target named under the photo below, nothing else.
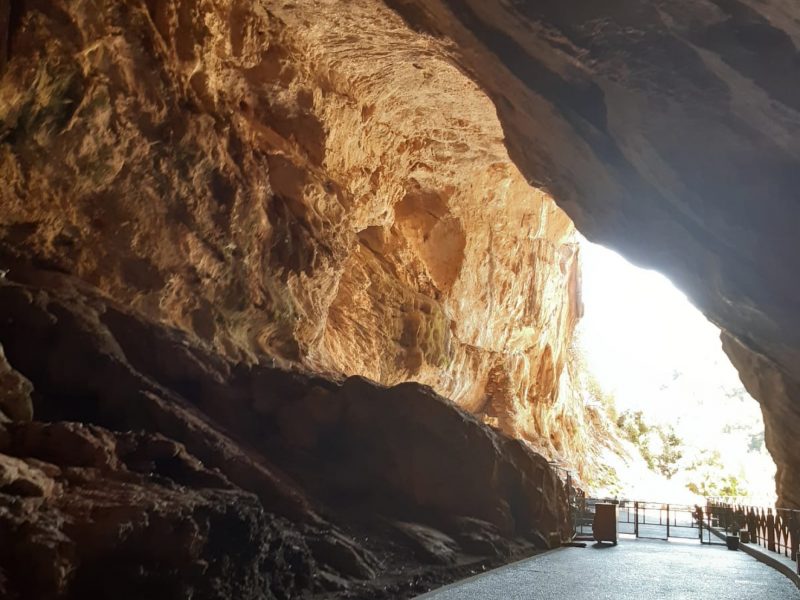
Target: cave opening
(689, 429)
(288, 290)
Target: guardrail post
(667, 521)
(770, 530)
(636, 518)
(795, 533)
(752, 526)
(700, 522)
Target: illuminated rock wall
(320, 187)
(667, 130)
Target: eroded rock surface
(15, 393)
(291, 182)
(212, 211)
(177, 472)
(87, 512)
(667, 129)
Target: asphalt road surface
(635, 569)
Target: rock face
(667, 129)
(211, 214)
(15, 393)
(318, 187)
(163, 467)
(213, 211)
(85, 512)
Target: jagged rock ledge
(155, 466)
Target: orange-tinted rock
(200, 194)
(669, 131)
(300, 183)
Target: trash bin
(604, 526)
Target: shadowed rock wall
(158, 467)
(667, 129)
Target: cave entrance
(687, 426)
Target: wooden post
(770, 530)
(751, 525)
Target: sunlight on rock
(289, 290)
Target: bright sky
(639, 331)
(650, 347)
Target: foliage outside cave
(663, 450)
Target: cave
(288, 289)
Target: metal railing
(651, 518)
(654, 520)
(775, 529)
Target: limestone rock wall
(159, 468)
(668, 130)
(212, 212)
(303, 183)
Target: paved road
(633, 570)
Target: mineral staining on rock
(319, 187)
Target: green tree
(668, 460)
(660, 446)
(708, 477)
(635, 430)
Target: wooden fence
(776, 529)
